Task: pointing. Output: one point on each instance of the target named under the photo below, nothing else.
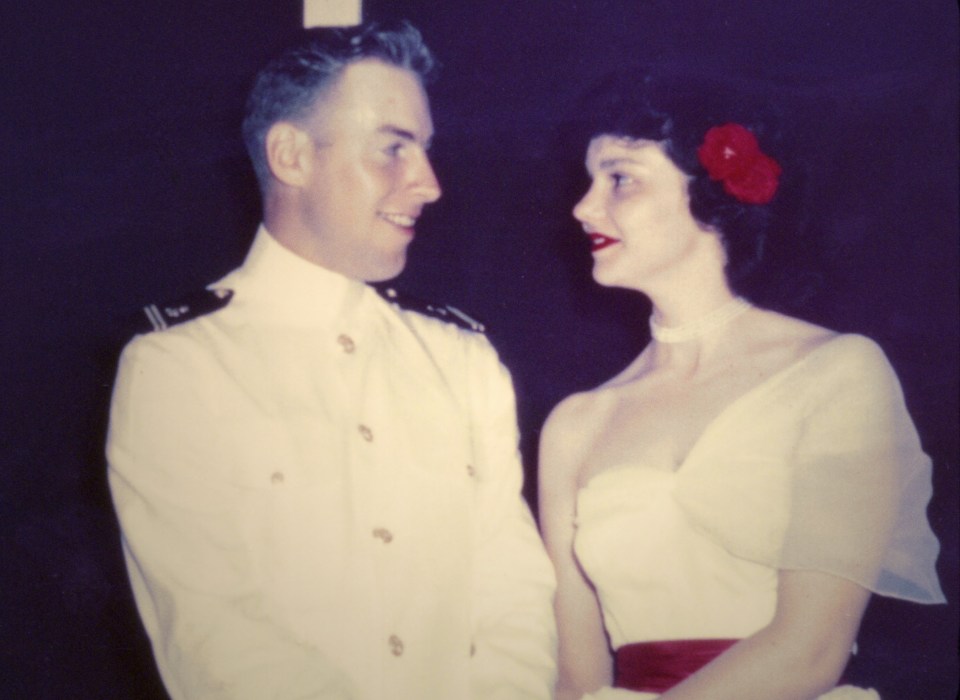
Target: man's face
(369, 176)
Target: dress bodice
(817, 468)
(657, 576)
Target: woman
(721, 510)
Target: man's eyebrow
(402, 133)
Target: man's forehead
(380, 98)
(375, 82)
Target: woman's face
(637, 213)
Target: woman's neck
(682, 299)
(690, 328)
(698, 322)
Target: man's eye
(394, 149)
(619, 180)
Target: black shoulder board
(161, 316)
(441, 311)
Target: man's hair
(288, 87)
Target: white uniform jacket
(319, 495)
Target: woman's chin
(606, 277)
(602, 276)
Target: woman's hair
(676, 110)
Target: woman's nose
(583, 209)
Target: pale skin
(654, 411)
(350, 181)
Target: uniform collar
(295, 289)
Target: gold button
(396, 645)
(382, 533)
(365, 433)
(471, 471)
(276, 478)
(346, 342)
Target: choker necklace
(713, 321)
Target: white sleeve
(514, 653)
(861, 483)
(826, 474)
(188, 554)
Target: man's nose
(426, 183)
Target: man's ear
(288, 149)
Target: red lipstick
(598, 241)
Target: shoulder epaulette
(162, 316)
(444, 312)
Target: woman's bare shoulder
(570, 429)
(573, 411)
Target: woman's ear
(288, 149)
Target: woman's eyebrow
(608, 163)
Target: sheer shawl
(820, 468)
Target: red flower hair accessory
(731, 154)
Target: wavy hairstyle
(676, 110)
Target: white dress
(818, 468)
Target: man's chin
(387, 269)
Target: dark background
(124, 182)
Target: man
(319, 491)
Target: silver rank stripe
(155, 317)
(473, 323)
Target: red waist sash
(655, 667)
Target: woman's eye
(394, 149)
(619, 180)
